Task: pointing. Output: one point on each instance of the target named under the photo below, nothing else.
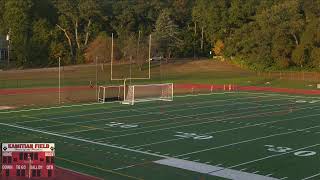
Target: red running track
(209, 87)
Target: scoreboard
(31, 160)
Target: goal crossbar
(148, 92)
(112, 93)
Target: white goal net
(149, 92)
(110, 93)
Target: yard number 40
(279, 149)
(121, 125)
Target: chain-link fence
(134, 58)
(292, 75)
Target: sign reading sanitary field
(28, 147)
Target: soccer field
(236, 135)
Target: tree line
(259, 34)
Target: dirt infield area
(61, 174)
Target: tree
(166, 34)
(40, 42)
(212, 15)
(2, 24)
(181, 11)
(271, 36)
(76, 18)
(218, 48)
(100, 47)
(17, 21)
(315, 57)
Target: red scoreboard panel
(31, 160)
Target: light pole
(8, 39)
(59, 76)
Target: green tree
(166, 34)
(17, 21)
(40, 42)
(315, 57)
(76, 19)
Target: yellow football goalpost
(130, 94)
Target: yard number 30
(280, 149)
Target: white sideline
(83, 140)
(279, 94)
(47, 108)
(148, 153)
(212, 170)
(80, 173)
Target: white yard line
(83, 140)
(311, 177)
(245, 141)
(153, 107)
(268, 157)
(195, 115)
(174, 117)
(88, 104)
(137, 151)
(143, 113)
(197, 119)
(231, 129)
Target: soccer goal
(110, 93)
(148, 92)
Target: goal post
(148, 92)
(110, 93)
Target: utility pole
(59, 80)
(139, 36)
(194, 41)
(97, 77)
(150, 41)
(8, 39)
(202, 36)
(111, 60)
